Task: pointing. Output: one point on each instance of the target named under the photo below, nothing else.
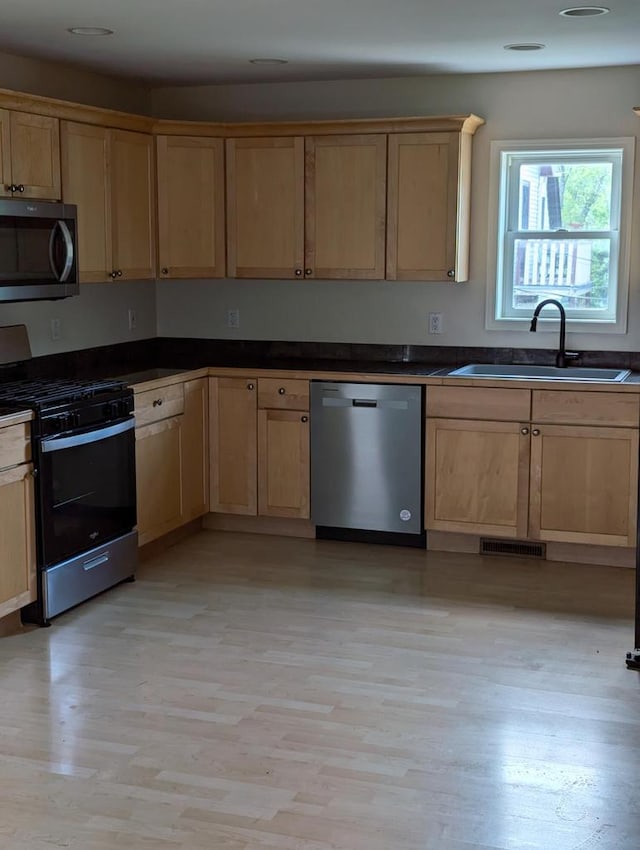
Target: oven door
(87, 490)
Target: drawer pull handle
(250, 386)
(524, 431)
(281, 391)
(157, 402)
(304, 418)
(536, 432)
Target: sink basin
(541, 373)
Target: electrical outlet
(233, 318)
(436, 323)
(56, 329)
(133, 320)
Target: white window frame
(499, 259)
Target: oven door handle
(68, 243)
(56, 444)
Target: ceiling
(187, 42)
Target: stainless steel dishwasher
(366, 457)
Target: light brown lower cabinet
(561, 483)
(195, 456)
(259, 457)
(283, 463)
(159, 478)
(17, 539)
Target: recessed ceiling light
(585, 11)
(269, 61)
(90, 31)
(524, 47)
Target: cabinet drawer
(154, 405)
(15, 445)
(479, 403)
(283, 394)
(585, 408)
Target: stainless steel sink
(541, 373)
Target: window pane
(565, 196)
(575, 271)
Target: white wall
(565, 104)
(99, 316)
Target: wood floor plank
(254, 692)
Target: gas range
(83, 450)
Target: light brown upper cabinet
(109, 174)
(265, 207)
(345, 193)
(428, 206)
(29, 156)
(133, 204)
(86, 181)
(311, 207)
(191, 227)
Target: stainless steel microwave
(38, 253)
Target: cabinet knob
(113, 275)
(281, 391)
(11, 187)
(165, 270)
(20, 188)
(451, 273)
(524, 431)
(536, 432)
(157, 402)
(298, 272)
(119, 272)
(304, 418)
(250, 386)
(308, 272)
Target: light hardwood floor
(252, 692)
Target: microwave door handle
(52, 242)
(68, 257)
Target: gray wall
(100, 315)
(541, 105)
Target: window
(563, 211)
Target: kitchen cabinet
(158, 478)
(29, 155)
(191, 217)
(265, 207)
(259, 446)
(195, 455)
(109, 175)
(18, 575)
(345, 217)
(233, 447)
(428, 206)
(86, 182)
(311, 207)
(533, 478)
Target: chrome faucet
(562, 357)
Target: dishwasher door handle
(364, 402)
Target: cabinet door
(477, 477)
(233, 445)
(345, 199)
(133, 205)
(17, 539)
(35, 155)
(195, 465)
(584, 484)
(85, 182)
(265, 207)
(158, 478)
(190, 207)
(283, 463)
(5, 154)
(422, 206)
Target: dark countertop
(148, 375)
